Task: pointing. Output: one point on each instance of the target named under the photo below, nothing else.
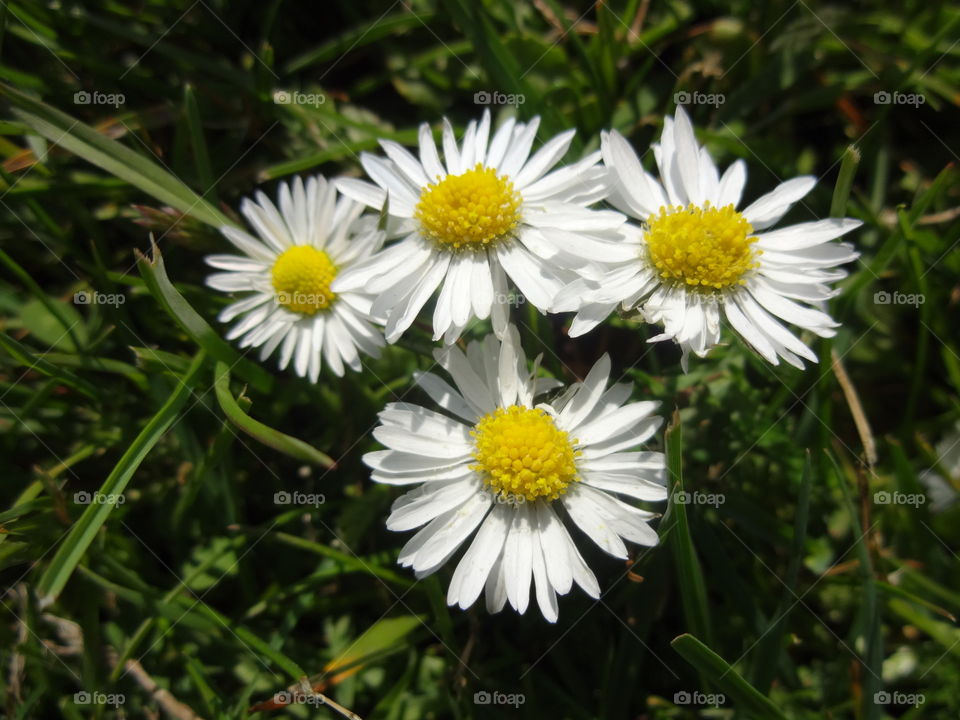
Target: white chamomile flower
(302, 248)
(511, 470)
(695, 255)
(490, 212)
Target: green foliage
(800, 595)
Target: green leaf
(260, 432)
(155, 275)
(693, 591)
(68, 323)
(848, 168)
(381, 637)
(710, 665)
(85, 529)
(119, 160)
(25, 357)
(45, 324)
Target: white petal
(446, 397)
(401, 192)
(687, 156)
(731, 184)
(429, 156)
(555, 540)
(405, 162)
(519, 149)
(397, 438)
(544, 159)
(596, 525)
(806, 235)
(362, 191)
(518, 558)
(546, 595)
(768, 209)
(444, 534)
(588, 395)
(422, 505)
(475, 566)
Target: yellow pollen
(302, 276)
(469, 211)
(521, 453)
(701, 246)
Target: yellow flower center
(521, 453)
(701, 246)
(302, 276)
(469, 211)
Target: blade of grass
(85, 529)
(722, 675)
(869, 616)
(119, 160)
(198, 143)
(693, 592)
(841, 191)
(257, 430)
(53, 308)
(155, 275)
(25, 357)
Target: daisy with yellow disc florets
(286, 277)
(488, 215)
(695, 257)
(500, 467)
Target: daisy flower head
(510, 471)
(695, 256)
(489, 213)
(302, 247)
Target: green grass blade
(25, 357)
(155, 275)
(693, 591)
(257, 430)
(82, 140)
(85, 529)
(198, 143)
(841, 191)
(722, 675)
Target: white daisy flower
(510, 469)
(695, 255)
(302, 248)
(490, 213)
